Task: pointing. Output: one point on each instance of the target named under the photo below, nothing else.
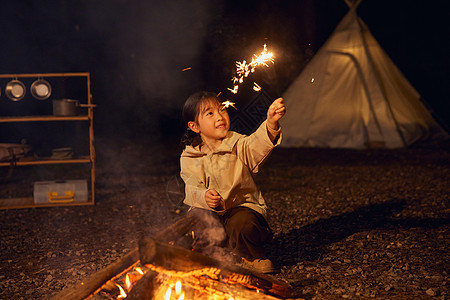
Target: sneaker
(259, 265)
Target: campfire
(157, 269)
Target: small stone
(431, 292)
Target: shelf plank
(43, 118)
(48, 162)
(28, 202)
(72, 74)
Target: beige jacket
(229, 170)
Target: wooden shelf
(28, 202)
(43, 118)
(81, 160)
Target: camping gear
(11, 152)
(41, 89)
(62, 153)
(351, 95)
(65, 107)
(15, 90)
(60, 191)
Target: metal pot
(15, 90)
(41, 89)
(65, 107)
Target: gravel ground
(347, 224)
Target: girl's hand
(212, 198)
(275, 112)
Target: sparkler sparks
(256, 87)
(243, 69)
(227, 104)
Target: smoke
(145, 46)
(210, 236)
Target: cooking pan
(15, 90)
(41, 89)
(67, 107)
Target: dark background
(136, 50)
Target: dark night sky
(135, 50)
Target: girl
(217, 166)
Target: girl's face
(213, 121)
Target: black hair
(190, 112)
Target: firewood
(214, 288)
(143, 289)
(95, 281)
(182, 260)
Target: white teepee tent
(351, 95)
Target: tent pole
(380, 84)
(364, 83)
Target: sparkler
(243, 69)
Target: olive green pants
(244, 230)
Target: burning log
(91, 284)
(203, 287)
(143, 289)
(182, 260)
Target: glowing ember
(122, 292)
(243, 69)
(139, 270)
(185, 69)
(227, 104)
(256, 87)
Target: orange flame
(168, 293)
(127, 281)
(122, 292)
(178, 287)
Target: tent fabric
(351, 95)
